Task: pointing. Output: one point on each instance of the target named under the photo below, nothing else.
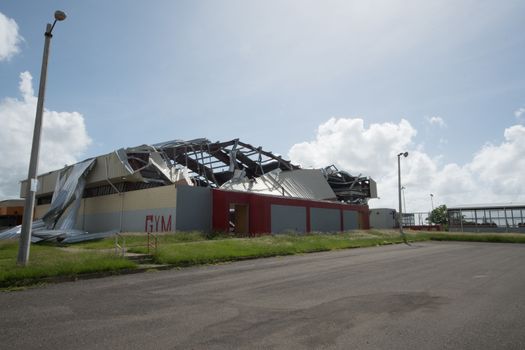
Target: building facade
(190, 208)
(198, 185)
(506, 217)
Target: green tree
(439, 215)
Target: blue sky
(273, 72)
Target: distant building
(11, 212)
(505, 217)
(409, 219)
(386, 218)
(383, 218)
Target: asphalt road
(428, 296)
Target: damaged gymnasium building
(197, 185)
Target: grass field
(201, 251)
(132, 240)
(230, 249)
(194, 248)
(477, 237)
(49, 261)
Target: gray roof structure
(231, 165)
(487, 206)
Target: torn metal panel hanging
(59, 220)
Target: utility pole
(432, 206)
(403, 190)
(32, 181)
(400, 219)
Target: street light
(432, 205)
(32, 182)
(400, 219)
(403, 189)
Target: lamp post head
(405, 154)
(60, 15)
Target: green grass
(194, 248)
(231, 249)
(48, 261)
(220, 249)
(477, 237)
(132, 240)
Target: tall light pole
(403, 189)
(432, 206)
(32, 182)
(400, 219)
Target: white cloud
(437, 121)
(501, 167)
(9, 37)
(337, 137)
(493, 175)
(519, 112)
(64, 138)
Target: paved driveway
(428, 296)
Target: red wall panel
(260, 209)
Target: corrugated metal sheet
(301, 183)
(58, 222)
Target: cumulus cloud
(64, 138)
(493, 174)
(337, 137)
(501, 167)
(9, 37)
(438, 121)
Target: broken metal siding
(59, 220)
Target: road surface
(428, 296)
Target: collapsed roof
(230, 165)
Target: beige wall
(46, 184)
(151, 198)
(147, 199)
(40, 210)
(106, 167)
(137, 211)
(148, 210)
